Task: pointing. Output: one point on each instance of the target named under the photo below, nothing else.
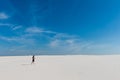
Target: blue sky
(59, 27)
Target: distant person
(33, 59)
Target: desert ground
(71, 67)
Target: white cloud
(12, 26)
(21, 40)
(6, 24)
(54, 43)
(34, 30)
(16, 27)
(3, 16)
(58, 42)
(68, 43)
(38, 30)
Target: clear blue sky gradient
(96, 23)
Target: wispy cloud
(12, 26)
(68, 43)
(58, 43)
(16, 27)
(18, 39)
(38, 30)
(6, 24)
(74, 45)
(34, 30)
(3, 16)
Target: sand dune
(60, 68)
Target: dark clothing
(33, 59)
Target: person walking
(33, 59)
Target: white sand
(60, 68)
